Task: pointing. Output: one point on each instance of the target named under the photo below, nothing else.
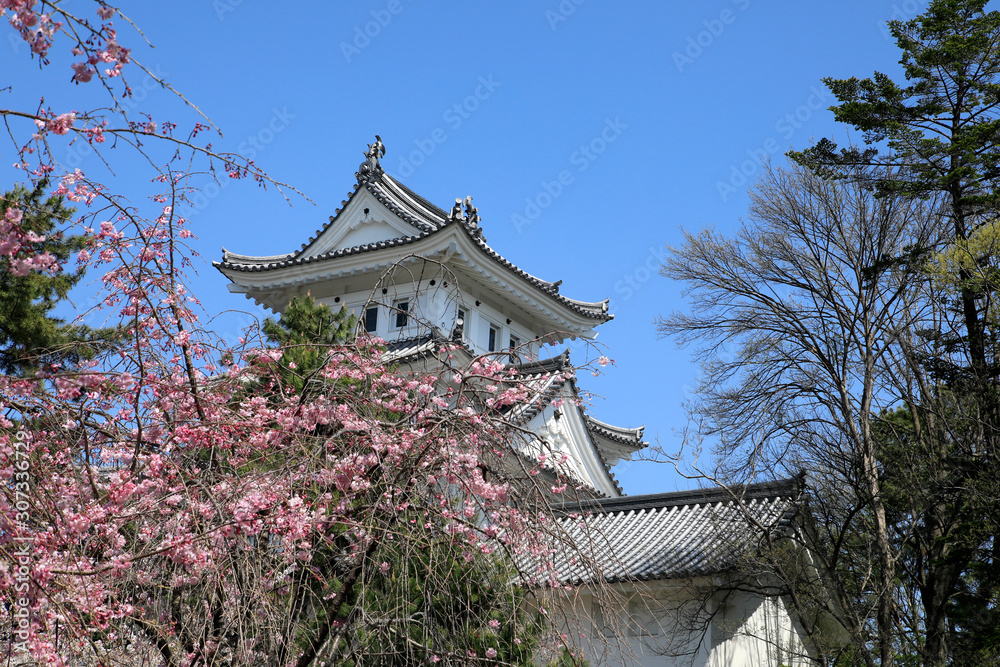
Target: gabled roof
(672, 535)
(407, 205)
(546, 377)
(629, 437)
(550, 379)
(546, 380)
(407, 350)
(426, 221)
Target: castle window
(371, 319)
(494, 338)
(402, 309)
(460, 321)
(514, 343)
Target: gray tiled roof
(546, 378)
(671, 535)
(630, 437)
(426, 219)
(416, 347)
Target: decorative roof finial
(371, 167)
(471, 213)
(456, 210)
(469, 217)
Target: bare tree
(813, 326)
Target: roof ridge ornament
(456, 211)
(471, 213)
(470, 216)
(371, 168)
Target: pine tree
(936, 137)
(30, 336)
(305, 331)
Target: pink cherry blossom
(184, 495)
(62, 123)
(83, 72)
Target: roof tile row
(672, 535)
(381, 187)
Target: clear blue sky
(649, 111)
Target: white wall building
(444, 282)
(677, 563)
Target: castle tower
(415, 275)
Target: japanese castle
(417, 275)
(445, 283)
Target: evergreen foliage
(937, 138)
(30, 336)
(305, 331)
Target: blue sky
(588, 133)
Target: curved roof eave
(231, 262)
(677, 534)
(629, 438)
(552, 378)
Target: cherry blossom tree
(177, 501)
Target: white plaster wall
(750, 631)
(368, 232)
(438, 306)
(643, 629)
(568, 435)
(637, 629)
